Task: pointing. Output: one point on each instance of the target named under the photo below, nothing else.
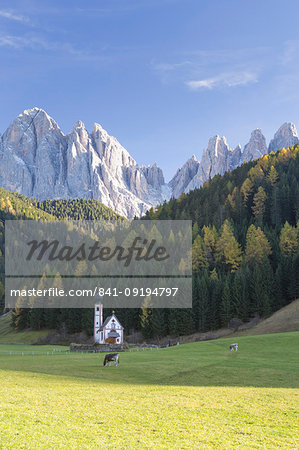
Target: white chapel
(111, 329)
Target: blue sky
(160, 75)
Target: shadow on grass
(262, 361)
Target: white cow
(233, 347)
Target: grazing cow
(111, 357)
(233, 347)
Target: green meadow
(196, 395)
(8, 334)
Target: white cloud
(231, 79)
(167, 67)
(10, 15)
(237, 67)
(20, 42)
(10, 41)
(38, 43)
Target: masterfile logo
(138, 250)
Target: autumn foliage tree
(259, 204)
(288, 239)
(199, 258)
(228, 249)
(257, 245)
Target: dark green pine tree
(213, 320)
(238, 295)
(37, 318)
(172, 322)
(280, 299)
(269, 287)
(203, 300)
(20, 318)
(87, 321)
(158, 322)
(184, 321)
(260, 302)
(293, 287)
(195, 299)
(73, 320)
(285, 269)
(225, 305)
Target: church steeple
(98, 322)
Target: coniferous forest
(245, 253)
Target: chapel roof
(106, 321)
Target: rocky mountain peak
(256, 133)
(78, 125)
(191, 162)
(213, 144)
(285, 136)
(235, 157)
(215, 159)
(237, 149)
(29, 130)
(99, 133)
(79, 140)
(37, 117)
(256, 147)
(184, 175)
(153, 175)
(32, 112)
(110, 150)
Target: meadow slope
(285, 319)
(191, 396)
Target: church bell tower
(98, 322)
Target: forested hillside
(245, 250)
(245, 241)
(76, 209)
(15, 207)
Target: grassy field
(7, 334)
(191, 396)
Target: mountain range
(38, 160)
